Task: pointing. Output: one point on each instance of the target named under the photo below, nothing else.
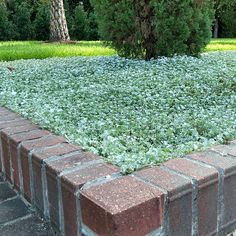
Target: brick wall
(82, 195)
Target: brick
(9, 117)
(4, 110)
(53, 169)
(207, 200)
(228, 165)
(14, 141)
(6, 157)
(1, 170)
(225, 149)
(19, 129)
(72, 182)
(37, 160)
(24, 152)
(14, 123)
(125, 206)
(179, 198)
(5, 146)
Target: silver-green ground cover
(133, 113)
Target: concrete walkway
(16, 216)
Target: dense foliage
(33, 15)
(132, 112)
(148, 29)
(28, 19)
(228, 21)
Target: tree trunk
(58, 24)
(216, 29)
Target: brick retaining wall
(82, 195)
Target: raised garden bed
(132, 113)
(82, 195)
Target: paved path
(16, 216)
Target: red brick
(4, 110)
(180, 198)
(207, 179)
(9, 117)
(71, 183)
(14, 141)
(225, 149)
(125, 206)
(24, 151)
(19, 129)
(228, 165)
(14, 123)
(53, 169)
(6, 149)
(6, 157)
(37, 160)
(1, 170)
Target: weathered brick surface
(14, 123)
(179, 196)
(207, 198)
(226, 149)
(228, 165)
(6, 156)
(74, 181)
(7, 149)
(24, 152)
(125, 206)
(37, 160)
(53, 169)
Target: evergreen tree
(150, 28)
(6, 26)
(42, 21)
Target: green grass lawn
(34, 49)
(221, 45)
(133, 113)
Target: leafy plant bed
(133, 113)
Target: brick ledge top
(78, 192)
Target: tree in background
(22, 21)
(58, 25)
(228, 21)
(6, 26)
(150, 28)
(41, 21)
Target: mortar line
(31, 177)
(60, 206)
(86, 231)
(220, 203)
(45, 192)
(9, 150)
(165, 229)
(1, 156)
(194, 198)
(80, 166)
(63, 156)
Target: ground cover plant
(14, 50)
(133, 113)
